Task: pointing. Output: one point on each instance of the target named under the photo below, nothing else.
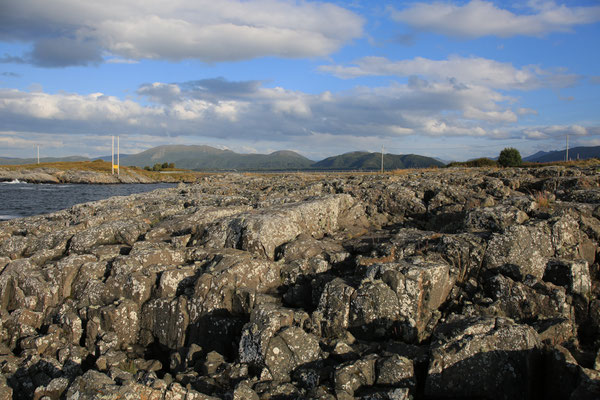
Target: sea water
(19, 199)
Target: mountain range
(206, 158)
(559, 155)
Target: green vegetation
(478, 162)
(510, 157)
(161, 167)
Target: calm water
(25, 199)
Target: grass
(590, 162)
(542, 199)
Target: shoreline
(83, 174)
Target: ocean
(19, 199)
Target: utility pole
(112, 156)
(567, 153)
(382, 159)
(118, 157)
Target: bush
(510, 157)
(478, 162)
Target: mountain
(559, 155)
(537, 155)
(210, 158)
(19, 161)
(107, 158)
(362, 160)
(206, 158)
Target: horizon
(451, 80)
(97, 157)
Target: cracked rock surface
(449, 284)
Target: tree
(171, 165)
(165, 165)
(510, 157)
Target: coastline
(90, 173)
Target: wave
(14, 181)
(7, 217)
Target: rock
(374, 309)
(419, 286)
(288, 350)
(333, 312)
(351, 376)
(53, 390)
(244, 392)
(212, 363)
(166, 321)
(263, 232)
(492, 358)
(265, 321)
(573, 275)
(495, 219)
(113, 232)
(528, 301)
(529, 247)
(6, 392)
(395, 371)
(454, 283)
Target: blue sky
(450, 79)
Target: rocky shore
(449, 284)
(58, 175)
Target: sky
(449, 79)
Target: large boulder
(263, 231)
(528, 247)
(418, 287)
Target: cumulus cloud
(223, 109)
(559, 131)
(211, 31)
(479, 18)
(466, 70)
(417, 112)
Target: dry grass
(407, 171)
(590, 162)
(542, 199)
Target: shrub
(478, 162)
(510, 157)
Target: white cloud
(463, 70)
(559, 131)
(526, 111)
(207, 30)
(479, 18)
(228, 113)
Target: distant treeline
(160, 167)
(478, 162)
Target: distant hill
(362, 160)
(19, 161)
(210, 158)
(207, 158)
(559, 155)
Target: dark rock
(573, 275)
(490, 358)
